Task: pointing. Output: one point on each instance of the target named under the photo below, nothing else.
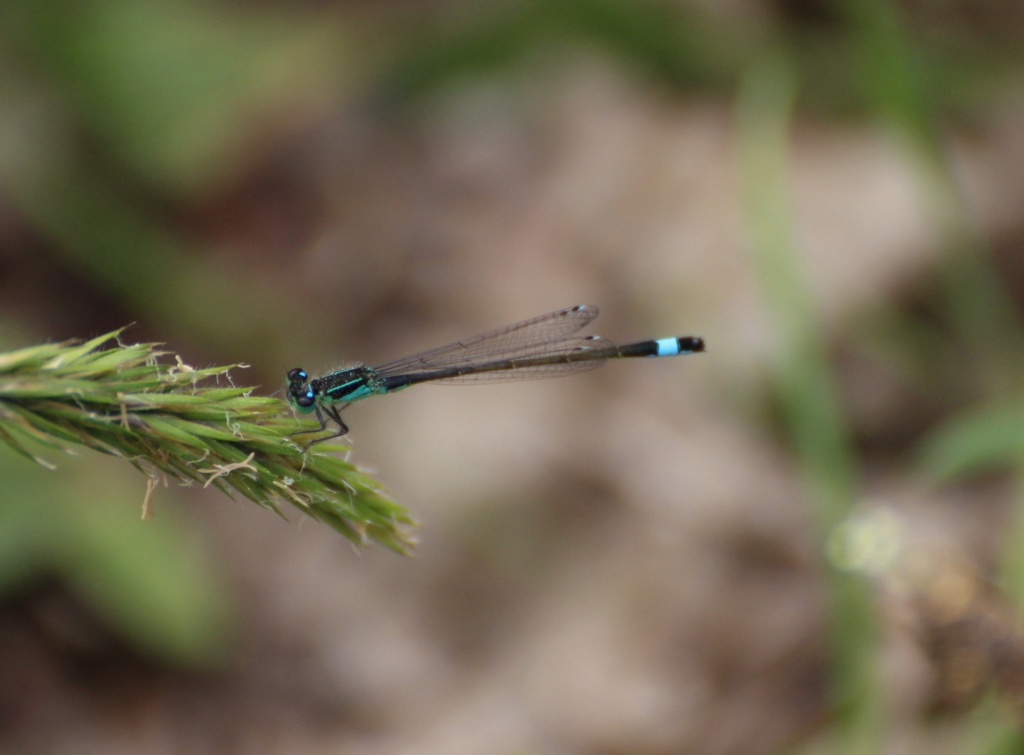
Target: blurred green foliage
(175, 91)
(151, 582)
(807, 389)
(905, 94)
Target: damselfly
(543, 347)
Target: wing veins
(536, 336)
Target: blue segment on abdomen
(667, 347)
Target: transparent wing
(545, 335)
(555, 349)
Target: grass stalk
(191, 425)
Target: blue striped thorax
(351, 384)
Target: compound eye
(306, 400)
(297, 374)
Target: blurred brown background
(629, 561)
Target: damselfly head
(300, 395)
